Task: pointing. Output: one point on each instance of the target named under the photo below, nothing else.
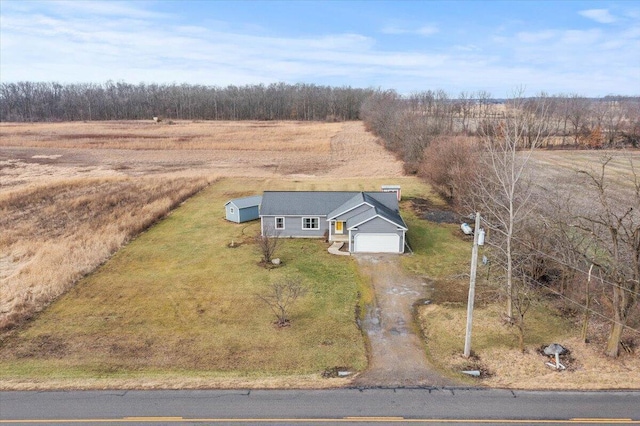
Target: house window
(279, 222)
(232, 210)
(310, 223)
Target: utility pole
(472, 286)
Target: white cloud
(425, 30)
(599, 15)
(582, 37)
(467, 48)
(535, 37)
(105, 8)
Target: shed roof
(245, 202)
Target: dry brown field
(559, 163)
(31, 152)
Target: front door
(339, 227)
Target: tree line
(408, 124)
(569, 239)
(50, 101)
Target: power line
(526, 244)
(608, 319)
(637, 294)
(585, 307)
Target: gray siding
(293, 226)
(249, 213)
(235, 216)
(377, 226)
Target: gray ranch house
(243, 209)
(369, 222)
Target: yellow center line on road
(351, 419)
(153, 419)
(374, 419)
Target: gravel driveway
(397, 355)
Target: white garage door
(377, 243)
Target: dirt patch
(434, 213)
(398, 356)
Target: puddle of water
(372, 322)
(403, 291)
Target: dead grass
(495, 353)
(289, 136)
(53, 234)
(243, 149)
(178, 381)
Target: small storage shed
(243, 209)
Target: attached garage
(377, 243)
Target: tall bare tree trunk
(613, 343)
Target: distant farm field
(564, 163)
(31, 152)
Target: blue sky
(583, 47)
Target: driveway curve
(397, 355)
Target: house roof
(242, 203)
(378, 210)
(332, 204)
(384, 199)
(295, 203)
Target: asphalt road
(361, 406)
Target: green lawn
(178, 300)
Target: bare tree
(465, 106)
(268, 242)
(280, 296)
(503, 187)
(523, 296)
(577, 114)
(610, 240)
(630, 128)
